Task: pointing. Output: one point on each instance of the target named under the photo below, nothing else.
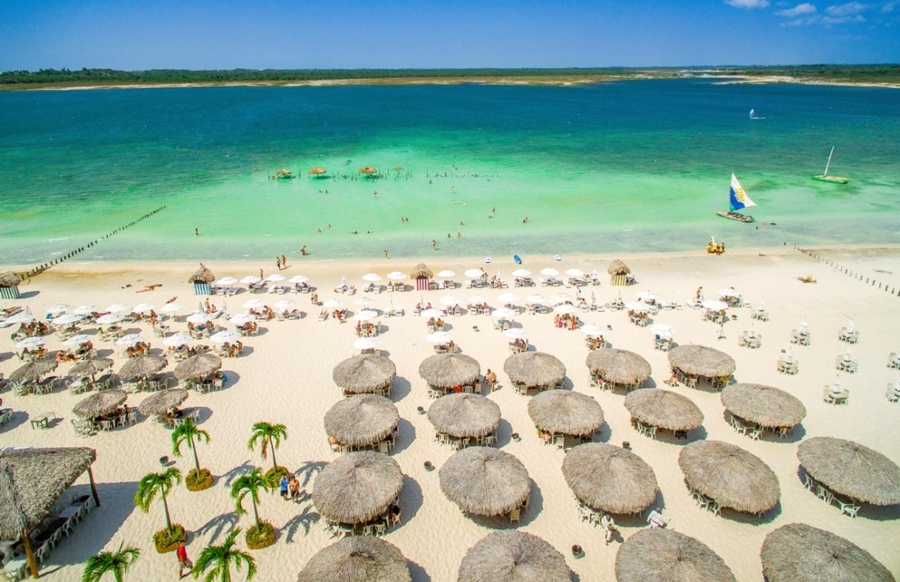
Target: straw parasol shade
(485, 481)
(851, 469)
(141, 367)
(361, 419)
(198, 366)
(357, 487)
(730, 476)
(421, 270)
(618, 366)
(464, 415)
(663, 409)
(100, 403)
(368, 171)
(701, 361)
(357, 559)
(565, 412)
(534, 369)
(317, 171)
(513, 556)
(617, 267)
(763, 405)
(203, 275)
(364, 373)
(798, 552)
(90, 367)
(9, 279)
(610, 478)
(449, 370)
(664, 555)
(33, 370)
(161, 402)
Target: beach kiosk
(9, 285)
(422, 275)
(618, 272)
(201, 280)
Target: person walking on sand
(284, 261)
(261, 276)
(385, 254)
(283, 486)
(183, 560)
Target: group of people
(138, 349)
(437, 324)
(595, 343)
(36, 353)
(289, 488)
(565, 320)
(714, 248)
(30, 329)
(367, 330)
(265, 313)
(638, 317)
(249, 328)
(519, 344)
(232, 350)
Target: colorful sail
(737, 196)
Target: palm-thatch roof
(357, 487)
(449, 370)
(701, 361)
(798, 552)
(610, 478)
(565, 412)
(763, 405)
(617, 267)
(33, 370)
(421, 270)
(161, 402)
(202, 275)
(851, 469)
(618, 366)
(357, 559)
(141, 367)
(730, 476)
(663, 409)
(664, 555)
(9, 279)
(534, 369)
(90, 367)
(485, 481)
(364, 373)
(513, 556)
(361, 419)
(198, 366)
(32, 480)
(100, 403)
(464, 415)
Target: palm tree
(186, 433)
(250, 484)
(269, 435)
(153, 484)
(218, 560)
(103, 562)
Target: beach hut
(198, 366)
(485, 481)
(141, 367)
(764, 406)
(701, 361)
(513, 556)
(365, 373)
(446, 371)
(100, 404)
(663, 555)
(422, 275)
(357, 487)
(729, 476)
(318, 172)
(163, 401)
(562, 414)
(357, 559)
(615, 368)
(361, 420)
(618, 272)
(610, 479)
(9, 285)
(797, 552)
(850, 469)
(534, 371)
(464, 416)
(201, 280)
(663, 409)
(32, 480)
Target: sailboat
(738, 200)
(825, 177)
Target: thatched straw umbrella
(730, 476)
(202, 275)
(357, 559)
(513, 556)
(565, 412)
(141, 367)
(9, 279)
(664, 555)
(199, 366)
(422, 271)
(33, 371)
(763, 405)
(100, 403)
(485, 481)
(534, 369)
(664, 409)
(357, 487)
(701, 361)
(90, 367)
(361, 419)
(610, 478)
(464, 415)
(161, 402)
(364, 373)
(368, 171)
(617, 267)
(798, 552)
(851, 469)
(618, 366)
(449, 370)
(317, 171)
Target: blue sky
(257, 34)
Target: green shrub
(167, 540)
(198, 481)
(258, 538)
(274, 474)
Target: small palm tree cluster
(116, 562)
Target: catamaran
(825, 177)
(738, 200)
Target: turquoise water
(629, 166)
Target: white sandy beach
(285, 376)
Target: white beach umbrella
(179, 339)
(638, 306)
(284, 304)
(364, 301)
(592, 330)
(477, 299)
(333, 303)
(508, 298)
(130, 339)
(198, 318)
(78, 339)
(86, 309)
(242, 318)
(68, 318)
(275, 278)
(365, 315)
(109, 319)
(118, 308)
(226, 281)
(474, 273)
(575, 273)
(536, 299)
(662, 329)
(560, 298)
(851, 325)
(431, 313)
(565, 309)
(715, 304)
(58, 308)
(24, 317)
(397, 276)
(366, 343)
(728, 292)
(549, 272)
(143, 307)
(439, 337)
(504, 313)
(450, 300)
(447, 273)
(521, 273)
(371, 277)
(224, 336)
(250, 280)
(31, 342)
(254, 304)
(171, 307)
(298, 279)
(648, 296)
(516, 333)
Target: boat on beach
(824, 177)
(738, 200)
